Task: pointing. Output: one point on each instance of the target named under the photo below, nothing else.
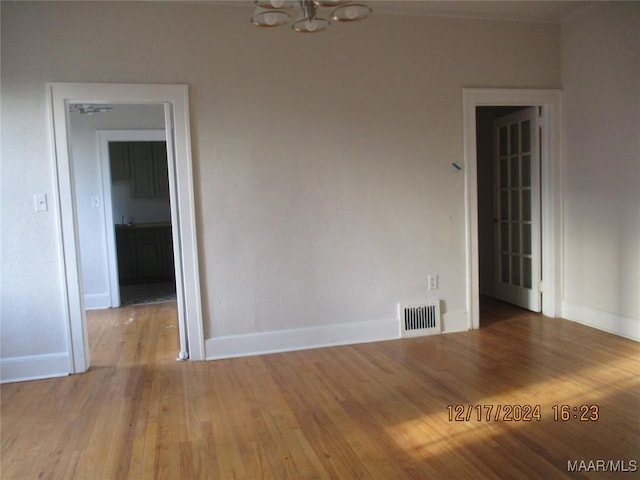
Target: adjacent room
(401, 247)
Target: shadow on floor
(147, 293)
(493, 310)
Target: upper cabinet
(119, 160)
(144, 164)
(141, 162)
(160, 168)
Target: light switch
(40, 202)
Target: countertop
(143, 225)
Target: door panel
(141, 161)
(517, 208)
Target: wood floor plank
(368, 411)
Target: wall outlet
(40, 202)
(432, 282)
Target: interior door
(517, 209)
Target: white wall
(322, 163)
(88, 183)
(601, 84)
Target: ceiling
(548, 11)
(524, 11)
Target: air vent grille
(417, 320)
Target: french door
(517, 209)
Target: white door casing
(517, 208)
(175, 99)
(550, 189)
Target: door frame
(176, 102)
(103, 138)
(550, 190)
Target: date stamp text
(521, 413)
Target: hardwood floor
(377, 410)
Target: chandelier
(272, 13)
(88, 108)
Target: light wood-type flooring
(377, 410)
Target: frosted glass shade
(311, 25)
(351, 12)
(270, 18)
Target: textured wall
(322, 163)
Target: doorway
(174, 102)
(118, 186)
(137, 216)
(549, 102)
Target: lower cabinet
(127, 255)
(145, 253)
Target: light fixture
(271, 13)
(88, 108)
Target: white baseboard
(34, 367)
(97, 301)
(301, 339)
(621, 325)
(455, 322)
